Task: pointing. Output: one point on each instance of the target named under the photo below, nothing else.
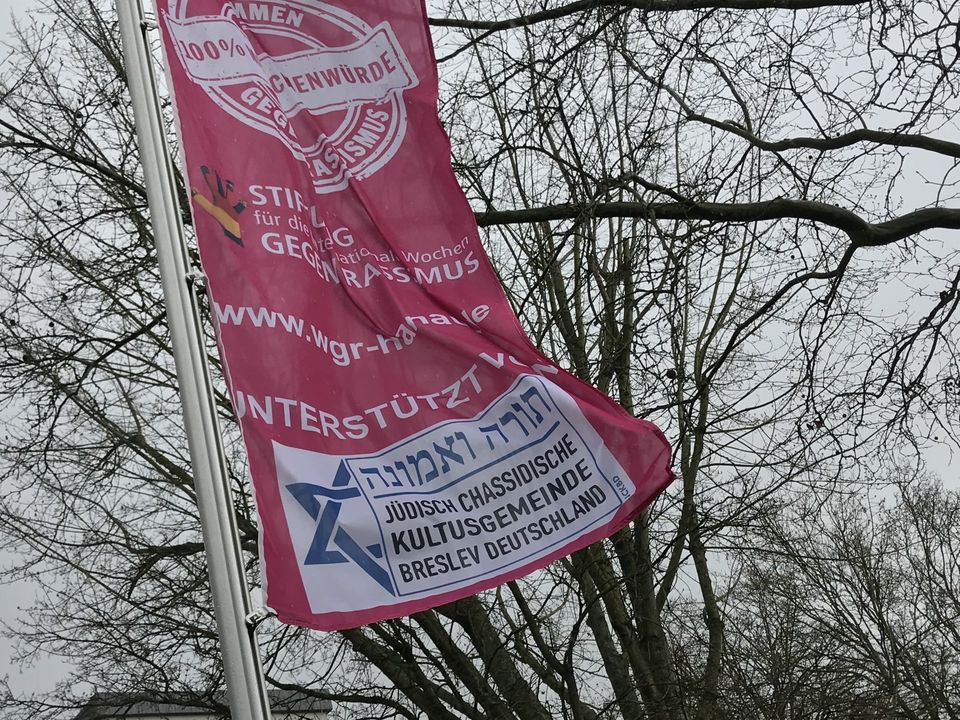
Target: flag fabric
(407, 443)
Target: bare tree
(730, 215)
(854, 608)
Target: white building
(285, 705)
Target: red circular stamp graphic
(318, 78)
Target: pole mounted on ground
(246, 687)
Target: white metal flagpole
(246, 688)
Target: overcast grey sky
(9, 8)
(48, 672)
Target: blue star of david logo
(329, 531)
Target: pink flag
(408, 445)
